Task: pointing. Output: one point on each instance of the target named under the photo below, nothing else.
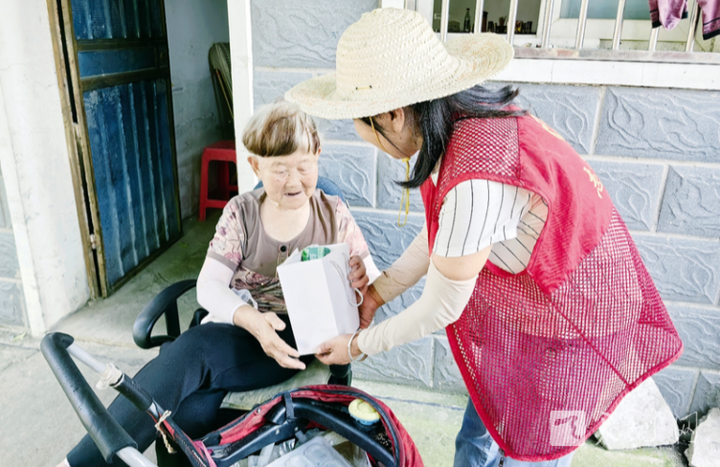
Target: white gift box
(321, 303)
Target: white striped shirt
(479, 213)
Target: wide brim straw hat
(391, 58)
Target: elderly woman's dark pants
(190, 377)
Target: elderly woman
(246, 341)
(551, 316)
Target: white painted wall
(193, 26)
(36, 167)
(242, 78)
(599, 72)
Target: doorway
(136, 155)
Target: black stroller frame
(283, 416)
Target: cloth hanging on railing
(668, 13)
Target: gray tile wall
(656, 150)
(12, 304)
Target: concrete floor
(38, 426)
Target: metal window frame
(651, 55)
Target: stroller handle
(110, 438)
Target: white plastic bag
(320, 301)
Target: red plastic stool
(223, 152)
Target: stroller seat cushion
(315, 373)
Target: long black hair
(436, 120)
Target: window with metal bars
(617, 30)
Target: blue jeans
(474, 447)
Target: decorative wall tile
(296, 34)
(387, 241)
(389, 193)
(660, 123)
(683, 270)
(9, 267)
(337, 130)
(699, 330)
(634, 188)
(446, 374)
(707, 393)
(400, 303)
(676, 386)
(691, 204)
(11, 303)
(271, 85)
(571, 110)
(353, 169)
(410, 364)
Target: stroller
(289, 430)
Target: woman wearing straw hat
(551, 316)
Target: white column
(36, 168)
(512, 18)
(479, 7)
(617, 35)
(425, 8)
(31, 291)
(444, 19)
(692, 27)
(242, 78)
(582, 23)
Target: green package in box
(314, 252)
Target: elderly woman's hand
(264, 327)
(358, 274)
(335, 351)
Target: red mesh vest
(548, 353)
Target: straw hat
(391, 58)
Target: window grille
(543, 45)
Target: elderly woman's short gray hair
(280, 129)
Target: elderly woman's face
(289, 181)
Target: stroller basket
(279, 419)
(325, 406)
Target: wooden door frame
(83, 175)
(62, 35)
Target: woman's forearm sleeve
(406, 271)
(441, 303)
(214, 293)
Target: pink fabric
(208, 457)
(668, 13)
(583, 325)
(710, 17)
